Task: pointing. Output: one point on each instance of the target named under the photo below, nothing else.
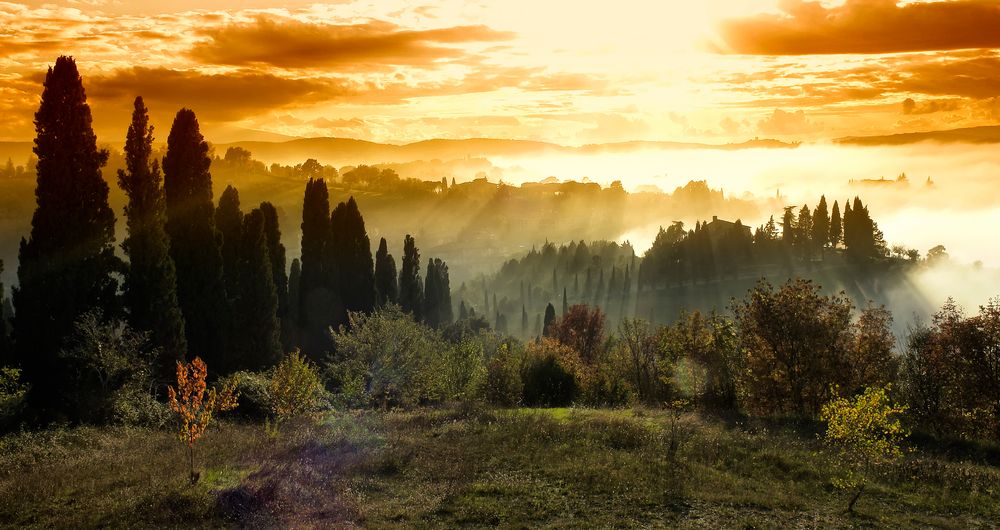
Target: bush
(551, 374)
(503, 386)
(134, 405)
(255, 397)
(294, 387)
(12, 393)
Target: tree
(294, 298)
(437, 295)
(803, 233)
(550, 317)
(67, 264)
(868, 433)
(194, 243)
(386, 290)
(411, 294)
(151, 283)
(5, 344)
(294, 388)
(257, 341)
(194, 407)
(318, 302)
(229, 222)
(821, 224)
(836, 229)
(582, 329)
(353, 254)
(276, 252)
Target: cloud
(222, 97)
(865, 26)
(371, 45)
(785, 123)
(911, 107)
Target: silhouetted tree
(68, 261)
(437, 294)
(229, 223)
(565, 304)
(821, 224)
(836, 228)
(550, 317)
(151, 283)
(353, 254)
(276, 252)
(5, 342)
(411, 292)
(257, 341)
(294, 295)
(194, 244)
(318, 303)
(386, 291)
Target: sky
(568, 72)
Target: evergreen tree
(803, 232)
(151, 283)
(821, 224)
(550, 317)
(437, 295)
(411, 293)
(5, 345)
(565, 307)
(848, 224)
(353, 254)
(257, 341)
(836, 229)
(294, 296)
(276, 251)
(194, 242)
(68, 262)
(463, 312)
(229, 223)
(318, 304)
(524, 321)
(386, 291)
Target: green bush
(255, 398)
(502, 385)
(12, 393)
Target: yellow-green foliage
(868, 425)
(12, 391)
(294, 387)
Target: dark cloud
(356, 47)
(865, 26)
(222, 97)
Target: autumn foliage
(194, 406)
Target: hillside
(971, 135)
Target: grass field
(469, 467)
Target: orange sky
(570, 72)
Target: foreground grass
(468, 467)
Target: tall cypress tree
(229, 223)
(836, 228)
(258, 330)
(67, 262)
(318, 304)
(821, 224)
(550, 317)
(294, 302)
(276, 251)
(437, 295)
(5, 353)
(194, 242)
(411, 293)
(151, 284)
(353, 253)
(386, 289)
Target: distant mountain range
(989, 134)
(339, 151)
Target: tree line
(200, 279)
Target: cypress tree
(294, 301)
(318, 304)
(151, 283)
(5, 352)
(276, 251)
(463, 312)
(194, 242)
(565, 307)
(353, 254)
(229, 222)
(550, 317)
(836, 230)
(524, 321)
(386, 290)
(821, 224)
(437, 295)
(411, 294)
(66, 265)
(257, 341)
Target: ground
(469, 466)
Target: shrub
(502, 385)
(294, 387)
(255, 397)
(551, 374)
(12, 392)
(867, 432)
